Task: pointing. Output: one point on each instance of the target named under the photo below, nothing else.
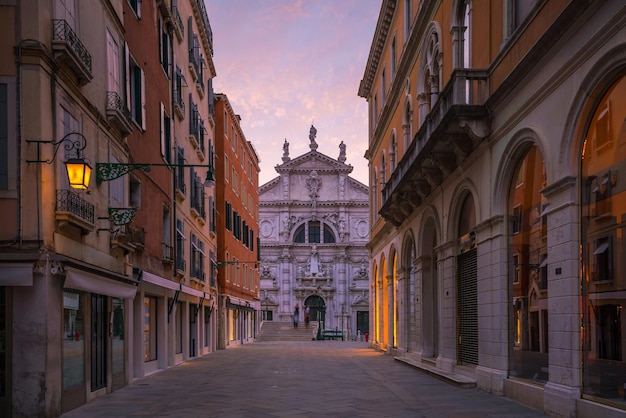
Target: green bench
(332, 334)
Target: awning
(16, 274)
(601, 248)
(159, 281)
(192, 291)
(88, 282)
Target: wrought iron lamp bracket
(77, 145)
(112, 171)
(121, 216)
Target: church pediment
(313, 160)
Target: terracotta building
(237, 203)
(495, 135)
(107, 280)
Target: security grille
(467, 308)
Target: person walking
(296, 316)
(307, 315)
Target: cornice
(385, 16)
(206, 34)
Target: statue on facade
(314, 262)
(313, 183)
(342, 152)
(312, 134)
(286, 151)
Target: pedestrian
(307, 315)
(296, 316)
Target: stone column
(286, 298)
(565, 372)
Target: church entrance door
(318, 308)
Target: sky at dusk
(285, 64)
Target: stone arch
(428, 291)
(515, 149)
(392, 291)
(462, 190)
(463, 220)
(607, 70)
(384, 303)
(407, 260)
(376, 303)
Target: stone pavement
(297, 379)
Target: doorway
(318, 308)
(98, 341)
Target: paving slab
(298, 379)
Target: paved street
(298, 379)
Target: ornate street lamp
(78, 169)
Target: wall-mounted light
(78, 169)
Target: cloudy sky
(285, 64)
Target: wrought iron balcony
(452, 130)
(180, 265)
(71, 209)
(118, 113)
(178, 24)
(167, 253)
(67, 47)
(129, 238)
(179, 105)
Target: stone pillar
(341, 286)
(493, 307)
(565, 372)
(286, 297)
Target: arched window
(461, 32)
(603, 247)
(329, 237)
(528, 253)
(515, 13)
(393, 152)
(311, 232)
(374, 195)
(407, 19)
(299, 236)
(393, 57)
(383, 171)
(429, 83)
(407, 123)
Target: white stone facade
(313, 221)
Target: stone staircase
(284, 331)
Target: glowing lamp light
(78, 173)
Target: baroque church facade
(313, 225)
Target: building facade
(107, 281)
(495, 131)
(237, 200)
(314, 225)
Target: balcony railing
(180, 265)
(167, 252)
(74, 210)
(179, 105)
(178, 24)
(207, 25)
(67, 44)
(452, 129)
(118, 113)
